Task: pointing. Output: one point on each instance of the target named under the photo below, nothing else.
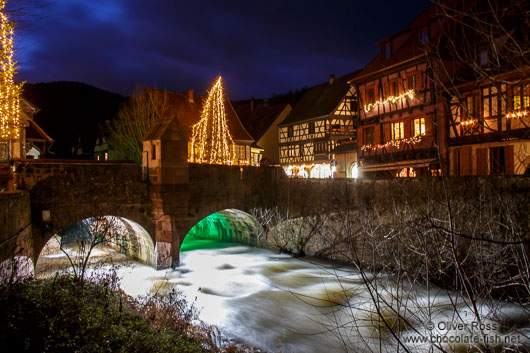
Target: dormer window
(388, 50)
(424, 35)
(484, 57)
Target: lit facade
(489, 129)
(397, 133)
(323, 118)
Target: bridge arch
(225, 225)
(121, 234)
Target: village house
(261, 119)
(400, 132)
(322, 120)
(33, 142)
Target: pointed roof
(159, 128)
(320, 100)
(405, 45)
(177, 104)
(258, 116)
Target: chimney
(252, 104)
(331, 78)
(266, 102)
(190, 95)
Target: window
(394, 88)
(153, 151)
(321, 147)
(424, 36)
(370, 95)
(242, 153)
(521, 97)
(484, 57)
(497, 160)
(412, 83)
(419, 127)
(311, 127)
(397, 130)
(369, 135)
(388, 50)
(290, 131)
(353, 105)
(473, 107)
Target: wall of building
(269, 140)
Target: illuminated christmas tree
(211, 141)
(9, 90)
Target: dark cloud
(260, 48)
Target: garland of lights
(211, 140)
(392, 99)
(394, 143)
(517, 115)
(9, 90)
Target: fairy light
(394, 143)
(211, 140)
(468, 122)
(9, 90)
(392, 99)
(517, 115)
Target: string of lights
(394, 143)
(211, 140)
(517, 115)
(9, 90)
(392, 99)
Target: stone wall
(66, 192)
(15, 231)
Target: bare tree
(135, 118)
(79, 241)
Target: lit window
(398, 130)
(106, 156)
(419, 127)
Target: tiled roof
(320, 100)
(189, 113)
(259, 118)
(409, 48)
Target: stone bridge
(62, 193)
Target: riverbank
(58, 315)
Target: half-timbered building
(324, 117)
(398, 132)
(489, 129)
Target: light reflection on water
(281, 303)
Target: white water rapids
(280, 303)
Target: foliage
(58, 315)
(135, 118)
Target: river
(280, 303)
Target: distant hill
(72, 113)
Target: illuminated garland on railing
(211, 140)
(9, 90)
(394, 143)
(468, 122)
(392, 99)
(517, 115)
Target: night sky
(260, 48)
